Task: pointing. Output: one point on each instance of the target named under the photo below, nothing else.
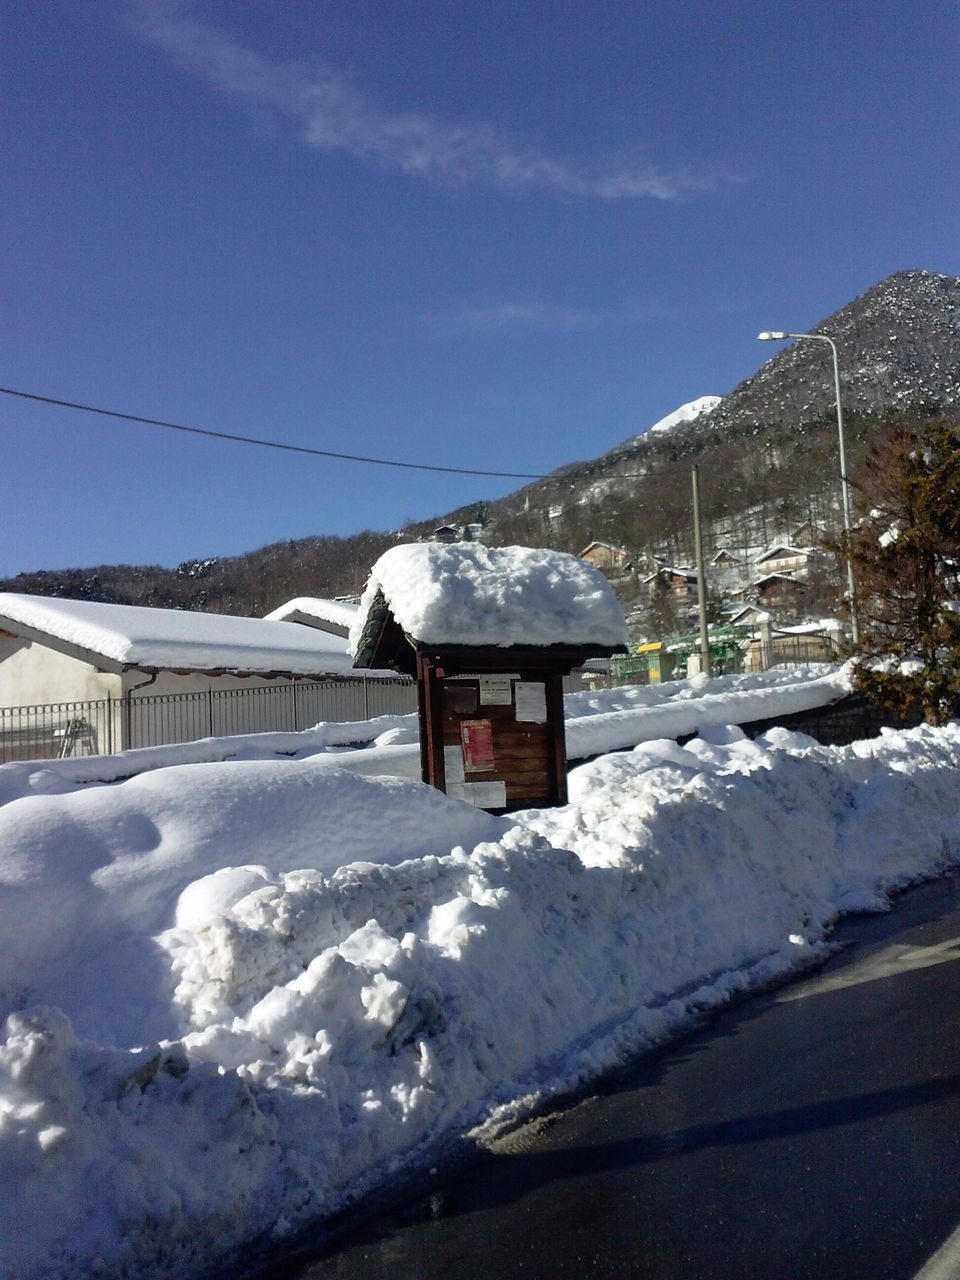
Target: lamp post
(777, 335)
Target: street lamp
(777, 335)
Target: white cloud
(513, 317)
(334, 115)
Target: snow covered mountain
(767, 449)
(686, 413)
(767, 455)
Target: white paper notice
(496, 691)
(489, 795)
(482, 795)
(531, 701)
(453, 765)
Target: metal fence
(100, 727)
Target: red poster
(477, 739)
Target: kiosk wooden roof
(489, 634)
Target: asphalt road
(810, 1132)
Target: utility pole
(701, 575)
(778, 335)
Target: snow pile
(388, 744)
(695, 707)
(276, 985)
(470, 594)
(686, 413)
(49, 777)
(173, 638)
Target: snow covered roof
(674, 571)
(781, 550)
(805, 629)
(776, 577)
(609, 545)
(749, 613)
(118, 636)
(465, 593)
(311, 611)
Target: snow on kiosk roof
(116, 637)
(467, 595)
(489, 632)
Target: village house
(682, 581)
(783, 558)
(748, 615)
(776, 589)
(607, 557)
(808, 534)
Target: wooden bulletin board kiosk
(491, 715)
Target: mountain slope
(767, 451)
(898, 348)
(767, 455)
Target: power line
(609, 477)
(265, 444)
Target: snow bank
(696, 707)
(22, 778)
(467, 593)
(239, 994)
(97, 872)
(388, 744)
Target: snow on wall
(469, 594)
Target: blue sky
(475, 233)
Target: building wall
(52, 704)
(30, 673)
(783, 564)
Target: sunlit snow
(239, 991)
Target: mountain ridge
(766, 452)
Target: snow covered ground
(240, 991)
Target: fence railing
(100, 727)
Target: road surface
(810, 1132)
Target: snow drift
(239, 994)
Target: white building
(58, 653)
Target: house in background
(783, 558)
(140, 677)
(776, 589)
(606, 557)
(808, 534)
(748, 615)
(681, 580)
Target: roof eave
(36, 635)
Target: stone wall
(848, 720)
